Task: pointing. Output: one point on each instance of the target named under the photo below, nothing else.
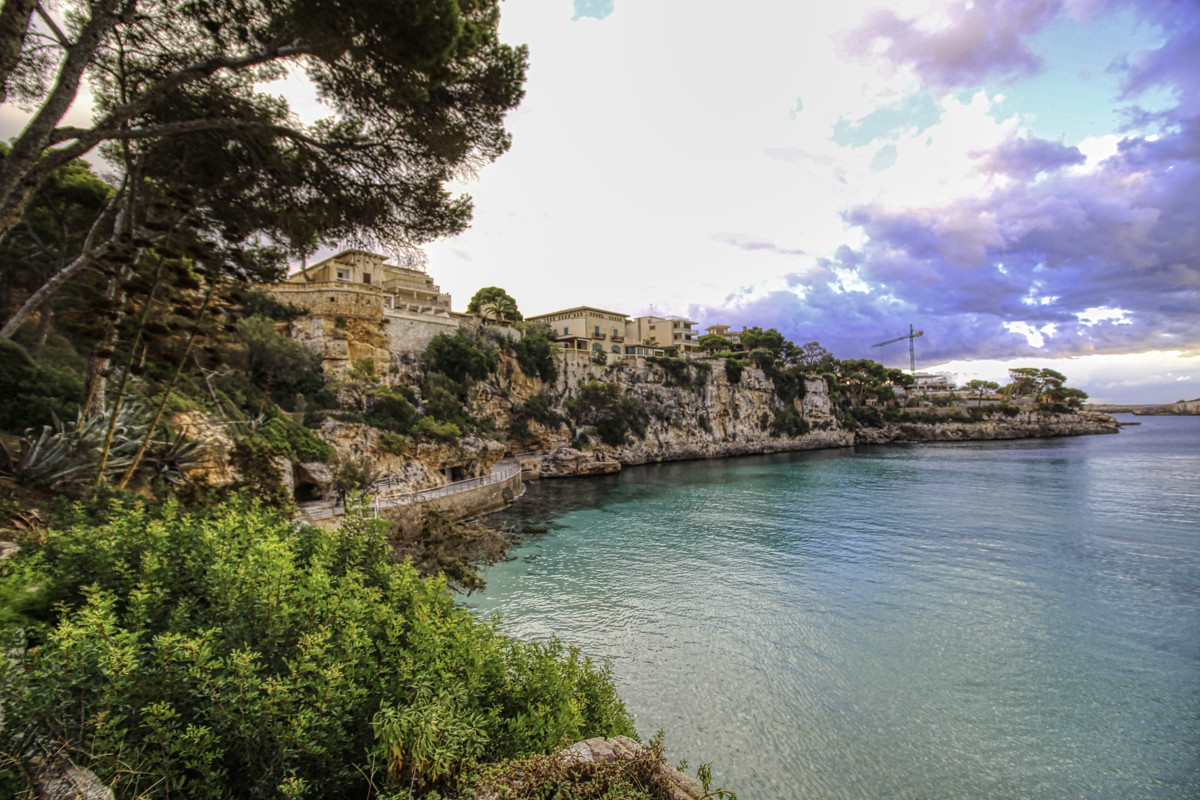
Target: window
(615, 334)
(367, 278)
(599, 348)
(343, 275)
(566, 330)
(616, 349)
(597, 330)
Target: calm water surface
(967, 620)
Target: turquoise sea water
(967, 620)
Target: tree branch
(16, 188)
(50, 23)
(185, 126)
(88, 253)
(14, 26)
(29, 163)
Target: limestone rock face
(340, 343)
(214, 469)
(424, 465)
(708, 417)
(565, 461)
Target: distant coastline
(1180, 408)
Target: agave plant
(55, 457)
(171, 460)
(66, 457)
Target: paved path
(325, 509)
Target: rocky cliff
(697, 414)
(673, 410)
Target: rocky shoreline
(1181, 408)
(566, 461)
(1029, 425)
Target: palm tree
(504, 309)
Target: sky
(1018, 179)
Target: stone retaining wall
(463, 504)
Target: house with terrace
(586, 328)
(674, 332)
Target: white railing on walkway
(325, 509)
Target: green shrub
(535, 352)
(393, 443)
(555, 777)
(430, 428)
(612, 413)
(289, 439)
(233, 654)
(33, 392)
(262, 304)
(788, 422)
(444, 398)
(392, 411)
(678, 371)
(519, 429)
(540, 408)
(459, 357)
(733, 370)
(257, 462)
(867, 416)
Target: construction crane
(912, 351)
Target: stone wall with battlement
(410, 332)
(331, 298)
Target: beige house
(586, 328)
(725, 332)
(674, 332)
(398, 287)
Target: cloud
(1026, 156)
(646, 171)
(753, 244)
(1174, 65)
(1122, 234)
(978, 40)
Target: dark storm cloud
(982, 38)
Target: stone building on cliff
(356, 284)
